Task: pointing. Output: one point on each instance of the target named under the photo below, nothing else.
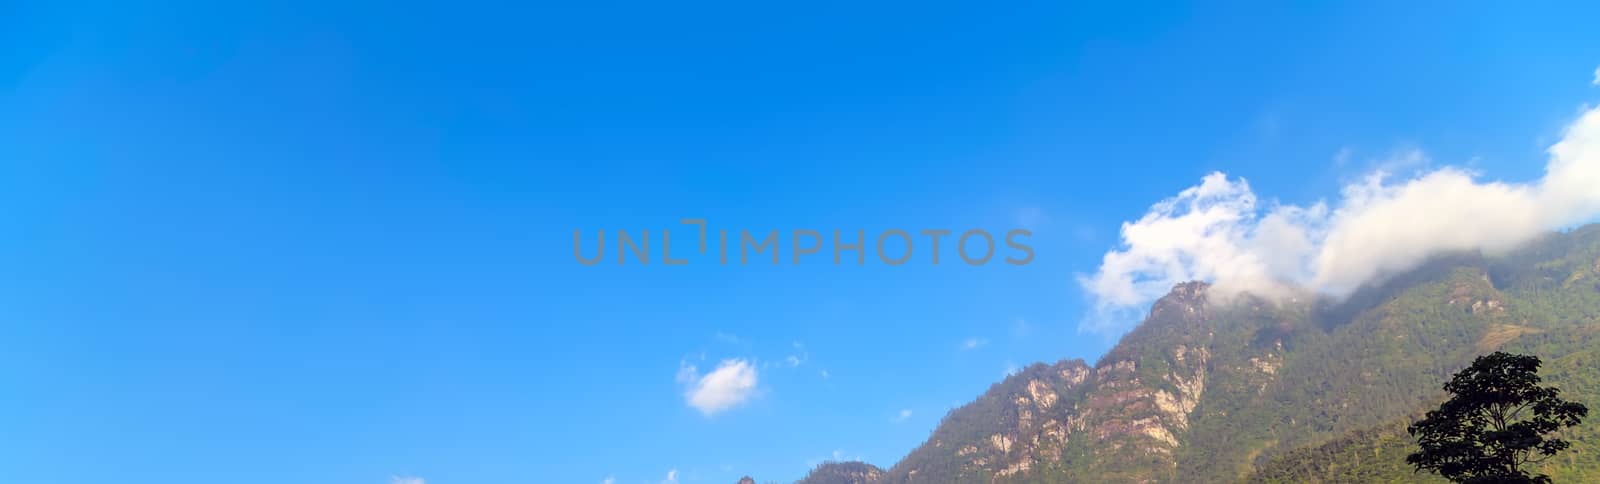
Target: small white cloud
(793, 361)
(1011, 369)
(1596, 76)
(728, 338)
(406, 480)
(733, 382)
(973, 343)
(825, 374)
(902, 416)
(672, 476)
(609, 480)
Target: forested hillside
(1302, 389)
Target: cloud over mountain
(1220, 231)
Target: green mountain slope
(1296, 390)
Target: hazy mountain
(851, 472)
(1303, 389)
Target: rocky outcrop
(1132, 406)
(1024, 421)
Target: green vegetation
(1298, 390)
(850, 472)
(1493, 427)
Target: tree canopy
(1495, 423)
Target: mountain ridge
(1296, 389)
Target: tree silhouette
(1493, 426)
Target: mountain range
(1215, 387)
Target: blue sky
(323, 243)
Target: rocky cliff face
(1146, 389)
(1022, 421)
(1125, 414)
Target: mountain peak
(1189, 291)
(848, 472)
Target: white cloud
(732, 383)
(672, 476)
(902, 416)
(406, 480)
(609, 480)
(1218, 231)
(973, 343)
(825, 374)
(1596, 80)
